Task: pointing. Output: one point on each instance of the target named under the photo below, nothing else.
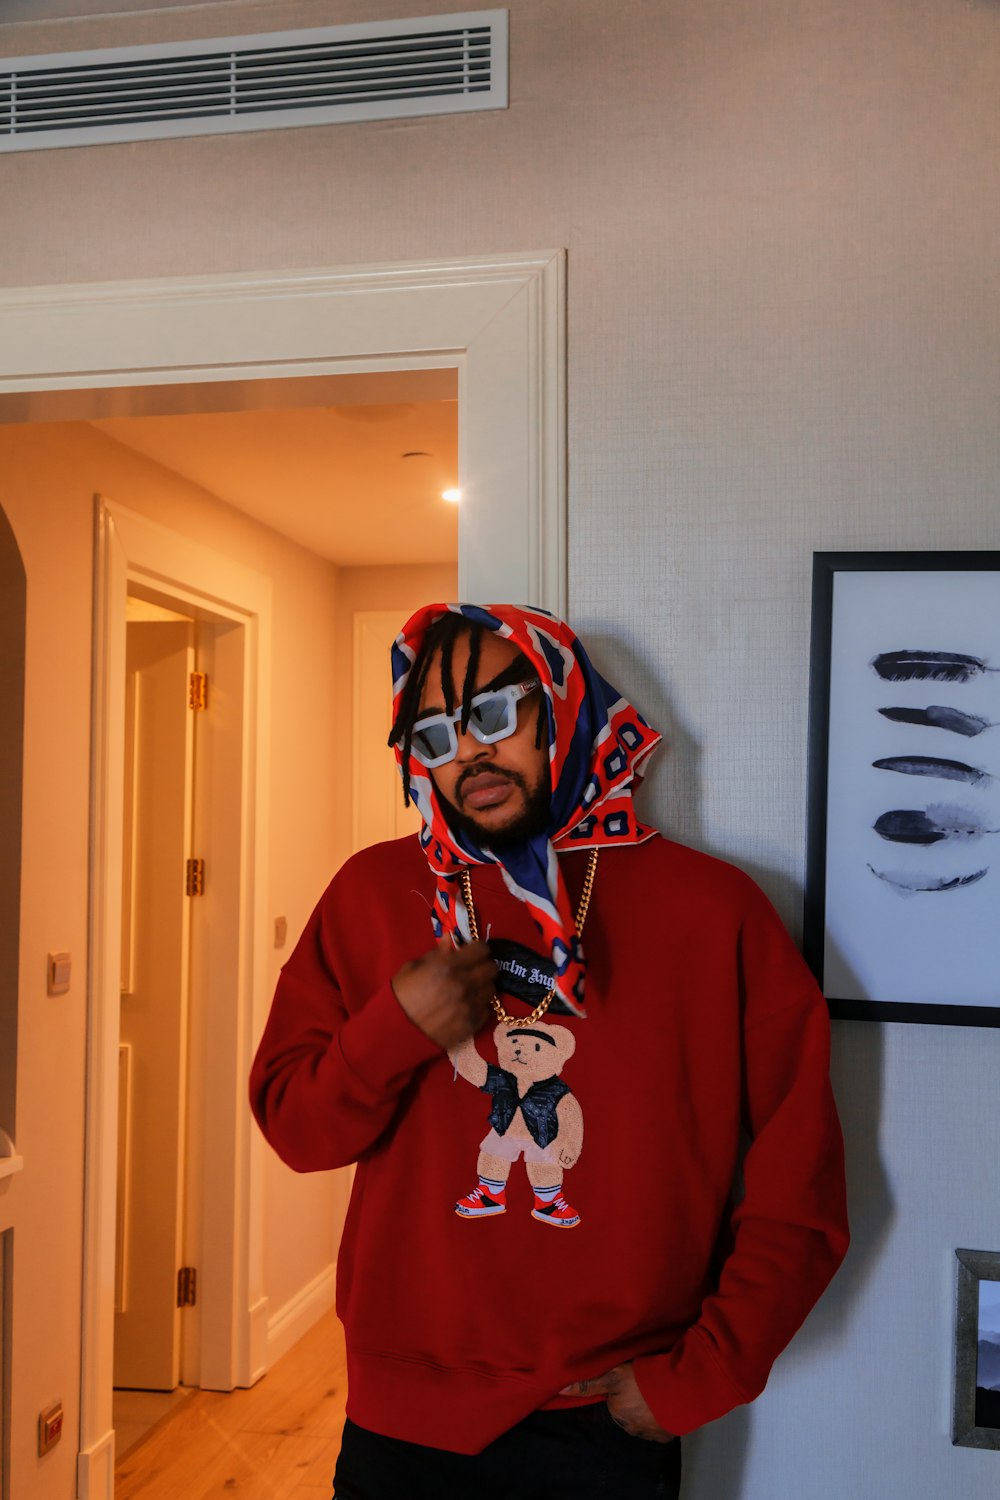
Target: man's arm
(790, 1227)
(789, 1230)
(326, 1084)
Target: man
(543, 1277)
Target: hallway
(278, 1441)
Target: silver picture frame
(976, 1412)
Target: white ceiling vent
(425, 65)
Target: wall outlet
(50, 1426)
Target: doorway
(167, 634)
(157, 567)
(231, 608)
(332, 441)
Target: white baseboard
(300, 1313)
(95, 1469)
(258, 1362)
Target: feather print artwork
(933, 765)
(933, 666)
(939, 716)
(912, 885)
(931, 826)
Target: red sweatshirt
(702, 1020)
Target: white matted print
(904, 860)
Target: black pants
(578, 1454)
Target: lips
(485, 790)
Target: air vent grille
(425, 65)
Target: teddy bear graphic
(534, 1115)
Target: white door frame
(501, 322)
(499, 319)
(131, 550)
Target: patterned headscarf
(597, 743)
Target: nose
(470, 749)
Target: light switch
(50, 1426)
(280, 931)
(60, 967)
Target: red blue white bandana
(598, 744)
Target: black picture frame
(976, 1407)
(963, 621)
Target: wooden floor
(278, 1441)
(134, 1414)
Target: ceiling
(351, 467)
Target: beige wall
(49, 476)
(781, 223)
(44, 1202)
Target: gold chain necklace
(581, 917)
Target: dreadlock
(442, 634)
(446, 630)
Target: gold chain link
(581, 917)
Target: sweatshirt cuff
(382, 1046)
(688, 1386)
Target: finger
(470, 983)
(599, 1386)
(480, 980)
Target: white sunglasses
(492, 717)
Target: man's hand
(625, 1403)
(447, 992)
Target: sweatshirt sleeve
(789, 1230)
(325, 1084)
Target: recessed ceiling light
(453, 495)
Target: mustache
(472, 772)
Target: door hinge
(194, 884)
(198, 690)
(187, 1286)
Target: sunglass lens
(431, 741)
(490, 714)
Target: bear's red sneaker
(478, 1205)
(557, 1212)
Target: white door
(154, 1004)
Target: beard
(533, 819)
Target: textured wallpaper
(784, 336)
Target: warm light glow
(453, 495)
